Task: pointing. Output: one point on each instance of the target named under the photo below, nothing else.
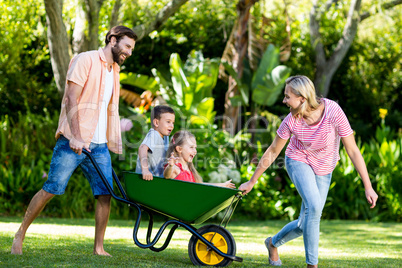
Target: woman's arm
(228, 184)
(266, 160)
(358, 161)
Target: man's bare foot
(101, 253)
(16, 248)
(312, 266)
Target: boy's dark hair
(157, 111)
(119, 32)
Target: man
(89, 119)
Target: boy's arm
(143, 156)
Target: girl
(182, 150)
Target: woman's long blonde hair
(179, 139)
(303, 87)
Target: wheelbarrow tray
(189, 202)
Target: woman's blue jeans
(313, 190)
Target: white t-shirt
(100, 132)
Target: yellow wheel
(202, 254)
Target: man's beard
(116, 53)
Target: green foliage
(26, 149)
(385, 168)
(25, 158)
(26, 152)
(24, 60)
(265, 84)
(369, 76)
(199, 25)
(269, 79)
(347, 200)
(187, 87)
(268, 199)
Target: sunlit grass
(69, 243)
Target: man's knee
(104, 199)
(42, 194)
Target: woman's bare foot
(312, 266)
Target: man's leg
(64, 162)
(101, 218)
(36, 205)
(101, 155)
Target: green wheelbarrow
(185, 204)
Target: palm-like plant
(265, 84)
(243, 51)
(187, 87)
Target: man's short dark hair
(119, 32)
(157, 111)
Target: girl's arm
(266, 160)
(358, 161)
(171, 170)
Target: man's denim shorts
(65, 161)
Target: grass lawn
(69, 243)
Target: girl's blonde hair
(179, 139)
(303, 87)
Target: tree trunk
(114, 20)
(167, 11)
(231, 122)
(92, 10)
(58, 42)
(327, 68)
(79, 42)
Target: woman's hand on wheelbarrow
(246, 187)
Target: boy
(152, 151)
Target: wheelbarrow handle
(103, 178)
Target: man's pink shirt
(89, 72)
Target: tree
(57, 35)
(245, 45)
(237, 48)
(327, 60)
(58, 41)
(327, 66)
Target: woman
(315, 127)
